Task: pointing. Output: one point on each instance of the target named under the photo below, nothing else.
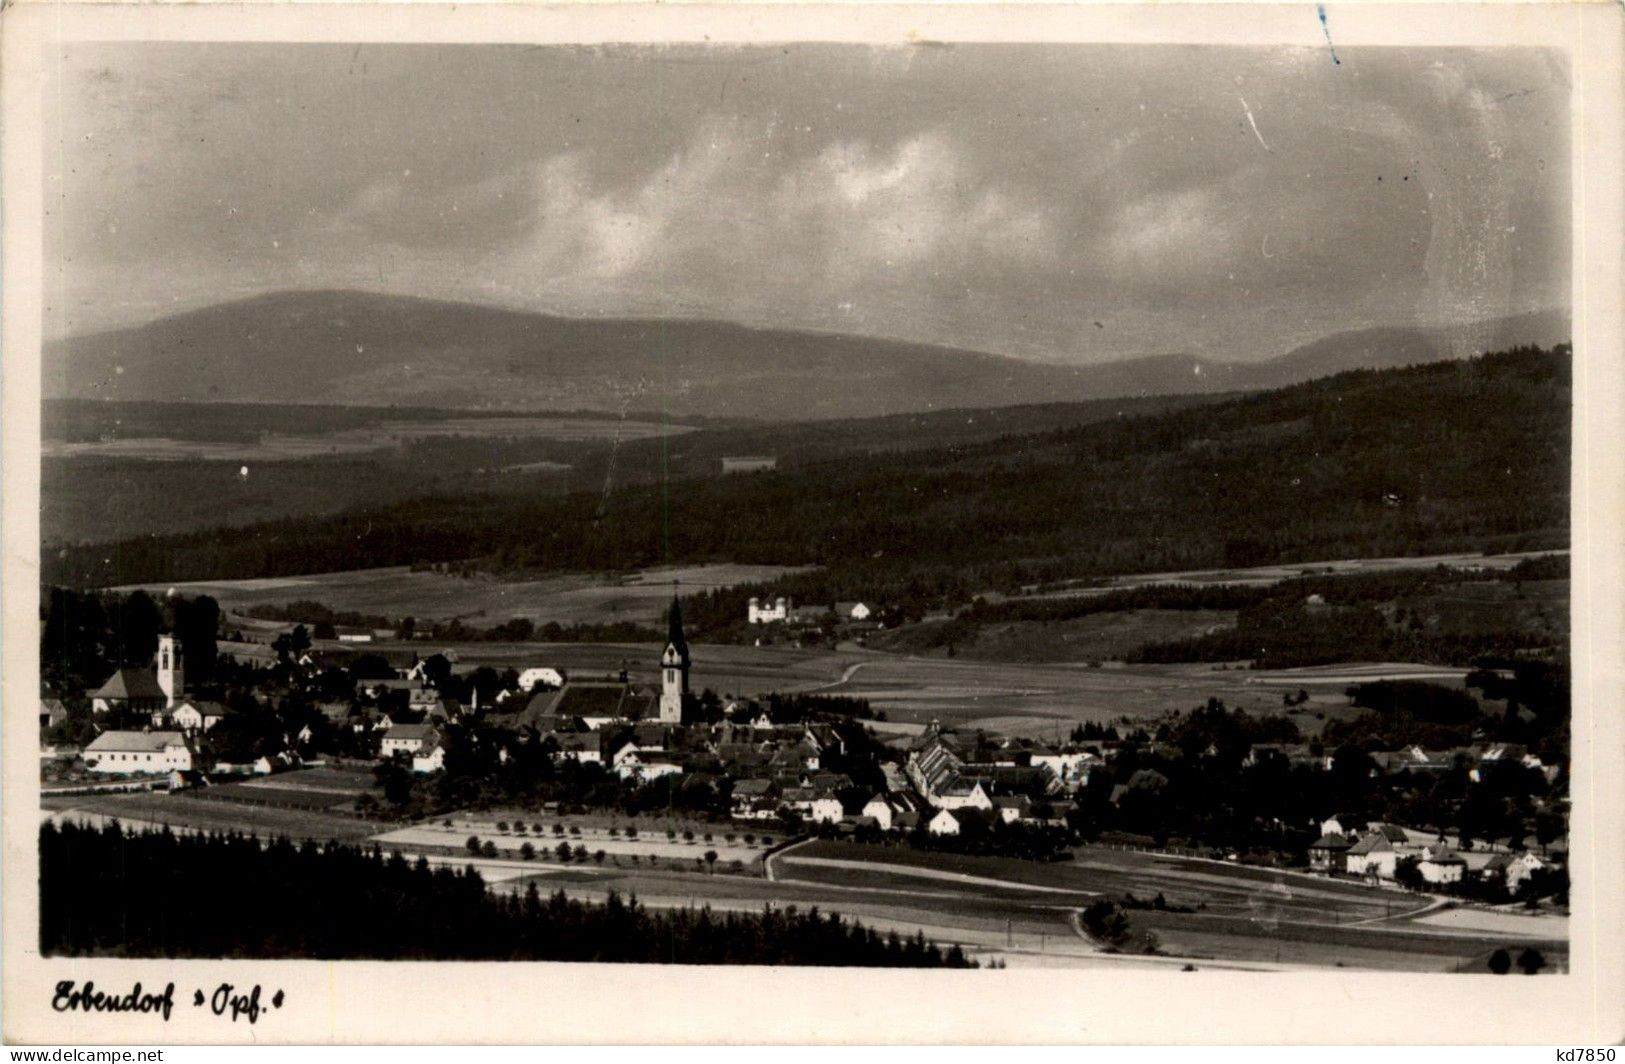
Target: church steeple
(674, 630)
(674, 663)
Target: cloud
(1181, 232)
(724, 215)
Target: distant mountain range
(364, 349)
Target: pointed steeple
(674, 631)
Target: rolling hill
(361, 349)
(1449, 456)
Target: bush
(1531, 961)
(489, 849)
(1500, 962)
(502, 826)
(528, 852)
(473, 844)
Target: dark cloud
(1225, 201)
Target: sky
(1074, 204)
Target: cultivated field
(397, 592)
(1274, 574)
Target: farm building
(407, 739)
(118, 752)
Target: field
(1263, 575)
(1097, 637)
(649, 844)
(396, 592)
(1020, 912)
(192, 812)
(1039, 701)
(383, 435)
(1243, 915)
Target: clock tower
(674, 662)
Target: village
(801, 766)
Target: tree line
(107, 891)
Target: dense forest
(1470, 455)
(111, 892)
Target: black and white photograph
(1098, 508)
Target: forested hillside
(1469, 455)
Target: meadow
(484, 600)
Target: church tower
(171, 677)
(674, 664)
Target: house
(893, 775)
(407, 739)
(119, 752)
(645, 767)
(1440, 864)
(51, 712)
(1373, 856)
(584, 747)
(853, 611)
(1011, 809)
(1515, 868)
(423, 700)
(430, 759)
(825, 809)
(880, 809)
(962, 794)
(193, 717)
(753, 799)
(1070, 767)
(943, 823)
(1333, 825)
(1329, 853)
(133, 689)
